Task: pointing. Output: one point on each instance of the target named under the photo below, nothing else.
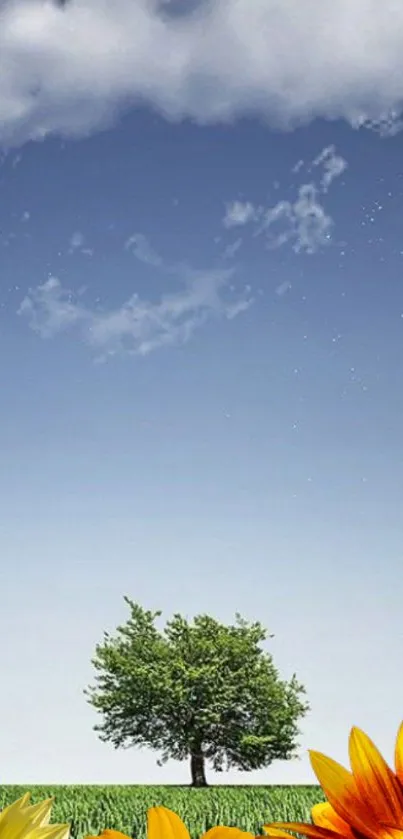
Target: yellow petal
(342, 793)
(165, 824)
(309, 830)
(323, 815)
(14, 808)
(53, 831)
(377, 784)
(18, 822)
(38, 815)
(399, 754)
(23, 801)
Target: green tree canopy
(203, 691)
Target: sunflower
(21, 820)
(366, 803)
(165, 824)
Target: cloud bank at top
(70, 67)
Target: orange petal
(309, 830)
(278, 834)
(323, 815)
(342, 793)
(221, 832)
(399, 754)
(109, 833)
(313, 832)
(165, 824)
(377, 784)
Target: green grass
(90, 809)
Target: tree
(204, 691)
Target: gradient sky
(201, 311)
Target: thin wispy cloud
(77, 244)
(232, 249)
(92, 60)
(138, 326)
(334, 165)
(140, 247)
(283, 287)
(238, 213)
(76, 241)
(303, 223)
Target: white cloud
(77, 244)
(283, 287)
(50, 309)
(138, 326)
(304, 223)
(333, 164)
(76, 240)
(231, 249)
(239, 306)
(73, 67)
(238, 213)
(138, 244)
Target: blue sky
(201, 311)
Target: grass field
(90, 809)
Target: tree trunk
(197, 769)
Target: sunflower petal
(21, 821)
(399, 754)
(376, 783)
(38, 815)
(15, 808)
(274, 831)
(51, 831)
(221, 832)
(165, 824)
(323, 815)
(341, 791)
(23, 801)
(309, 830)
(109, 833)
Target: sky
(201, 331)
